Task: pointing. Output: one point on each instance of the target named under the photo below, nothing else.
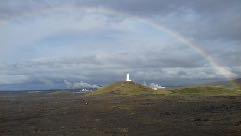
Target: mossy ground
(123, 109)
(112, 115)
(208, 91)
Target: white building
(128, 77)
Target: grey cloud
(9, 79)
(50, 75)
(214, 19)
(203, 21)
(112, 66)
(139, 7)
(14, 8)
(150, 7)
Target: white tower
(128, 77)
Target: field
(68, 114)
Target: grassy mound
(133, 89)
(127, 88)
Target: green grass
(128, 89)
(135, 89)
(207, 91)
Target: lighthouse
(128, 77)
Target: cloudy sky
(46, 43)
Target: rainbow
(224, 71)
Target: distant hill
(224, 88)
(127, 88)
(238, 81)
(207, 91)
(231, 83)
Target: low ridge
(127, 88)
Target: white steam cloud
(156, 86)
(81, 84)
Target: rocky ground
(67, 114)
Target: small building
(128, 77)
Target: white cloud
(13, 79)
(79, 85)
(78, 42)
